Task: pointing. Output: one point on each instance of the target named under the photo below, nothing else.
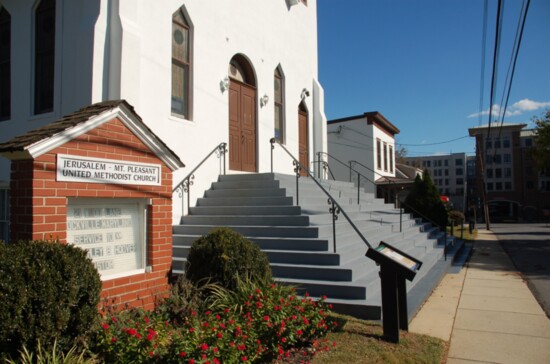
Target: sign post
(395, 267)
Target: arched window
(279, 106)
(181, 65)
(44, 56)
(5, 66)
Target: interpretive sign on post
(395, 267)
(72, 168)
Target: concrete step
(252, 231)
(252, 192)
(246, 220)
(245, 201)
(245, 210)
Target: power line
(436, 143)
(483, 51)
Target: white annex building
(368, 142)
(199, 73)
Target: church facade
(199, 73)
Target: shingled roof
(22, 142)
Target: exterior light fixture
(264, 100)
(305, 93)
(224, 84)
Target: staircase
(298, 239)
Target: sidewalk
(486, 311)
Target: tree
(400, 155)
(423, 200)
(541, 148)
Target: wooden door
(303, 140)
(242, 127)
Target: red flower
(266, 318)
(132, 332)
(113, 339)
(219, 335)
(218, 317)
(207, 313)
(106, 326)
(191, 361)
(151, 353)
(191, 329)
(183, 354)
(204, 346)
(299, 332)
(215, 349)
(244, 358)
(216, 361)
(113, 319)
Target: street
(528, 246)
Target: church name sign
(72, 168)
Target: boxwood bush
(223, 256)
(48, 291)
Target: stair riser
(245, 201)
(265, 243)
(230, 185)
(246, 220)
(331, 291)
(252, 231)
(246, 210)
(260, 192)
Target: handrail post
(272, 141)
(350, 162)
(334, 211)
(224, 152)
(297, 169)
(400, 218)
(358, 187)
(319, 165)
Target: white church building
(199, 73)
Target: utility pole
(482, 156)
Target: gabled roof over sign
(372, 117)
(39, 141)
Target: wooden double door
(242, 127)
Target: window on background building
(446, 181)
(506, 142)
(489, 159)
(459, 181)
(446, 162)
(497, 143)
(489, 186)
(4, 214)
(488, 143)
(458, 162)
(528, 142)
(428, 163)
(508, 186)
(446, 172)
(5, 64)
(439, 163)
(278, 86)
(498, 186)
(489, 173)
(507, 158)
(498, 172)
(391, 159)
(385, 157)
(459, 171)
(498, 158)
(181, 65)
(460, 191)
(507, 172)
(378, 154)
(44, 56)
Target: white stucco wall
(122, 49)
(355, 140)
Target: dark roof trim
(41, 140)
(372, 117)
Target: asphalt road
(528, 246)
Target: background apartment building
(448, 173)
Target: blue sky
(419, 64)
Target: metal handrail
(325, 166)
(335, 208)
(185, 185)
(444, 228)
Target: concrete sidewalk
(486, 311)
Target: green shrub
(223, 256)
(48, 291)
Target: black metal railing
(185, 185)
(334, 208)
(401, 203)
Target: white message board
(112, 233)
(72, 168)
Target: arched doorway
(242, 115)
(303, 147)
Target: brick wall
(39, 205)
